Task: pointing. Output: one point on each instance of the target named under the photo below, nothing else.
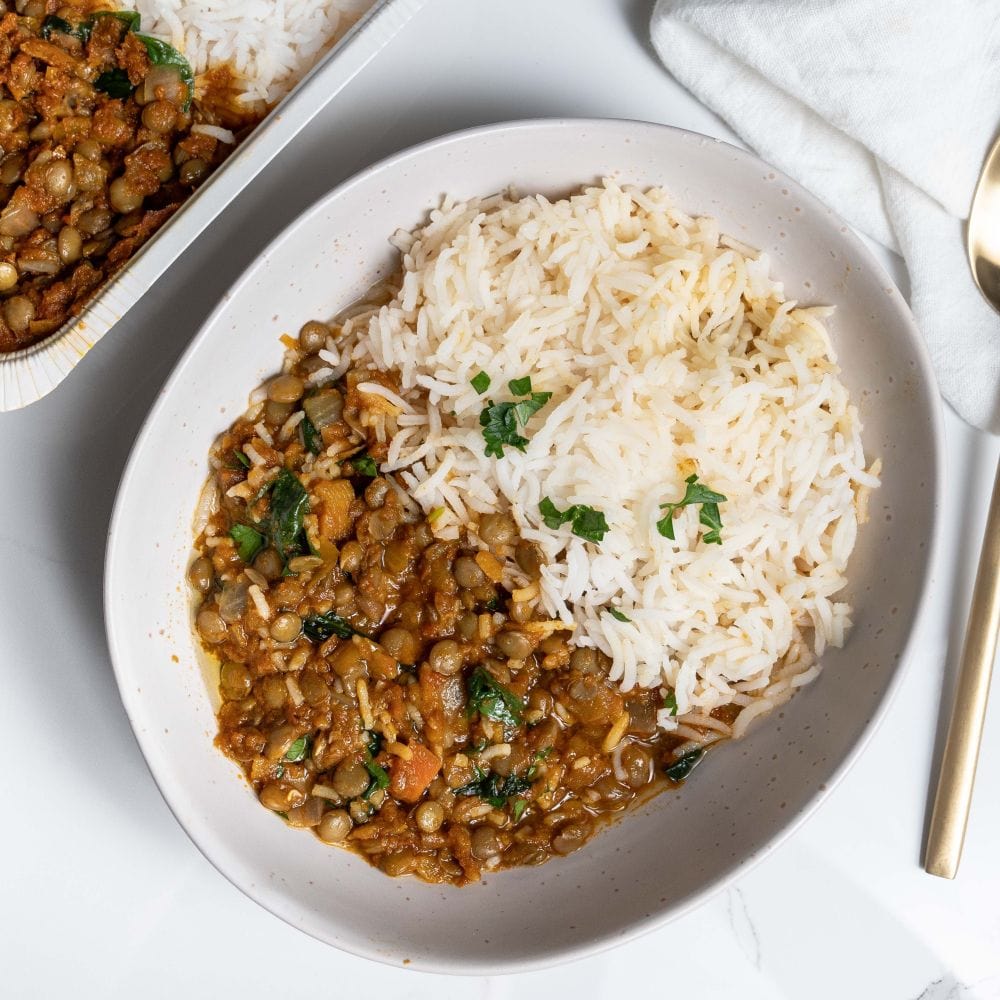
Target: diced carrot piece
(334, 508)
(490, 565)
(408, 779)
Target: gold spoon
(965, 730)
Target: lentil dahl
(377, 687)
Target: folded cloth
(885, 109)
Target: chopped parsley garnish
(480, 382)
(586, 522)
(618, 615)
(696, 493)
(319, 628)
(241, 458)
(501, 421)
(298, 750)
(493, 788)
(683, 766)
(311, 439)
(670, 701)
(491, 699)
(248, 540)
(519, 806)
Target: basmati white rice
(669, 351)
(271, 46)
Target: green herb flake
(519, 806)
(241, 458)
(683, 766)
(289, 506)
(670, 701)
(364, 465)
(115, 83)
(319, 628)
(311, 438)
(493, 788)
(480, 382)
(373, 742)
(299, 750)
(248, 540)
(540, 755)
(492, 700)
(520, 386)
(162, 54)
(585, 522)
(618, 616)
(380, 778)
(696, 493)
(501, 421)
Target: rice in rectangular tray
(271, 44)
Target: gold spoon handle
(965, 730)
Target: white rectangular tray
(29, 374)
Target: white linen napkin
(885, 109)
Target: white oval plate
(670, 855)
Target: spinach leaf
(683, 766)
(364, 465)
(480, 382)
(519, 806)
(491, 699)
(289, 505)
(311, 439)
(299, 750)
(115, 83)
(162, 54)
(248, 540)
(696, 493)
(241, 458)
(586, 522)
(57, 25)
(520, 386)
(373, 742)
(670, 702)
(380, 777)
(493, 788)
(130, 18)
(319, 628)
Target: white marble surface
(101, 893)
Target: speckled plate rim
(273, 901)
(33, 372)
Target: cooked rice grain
(668, 349)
